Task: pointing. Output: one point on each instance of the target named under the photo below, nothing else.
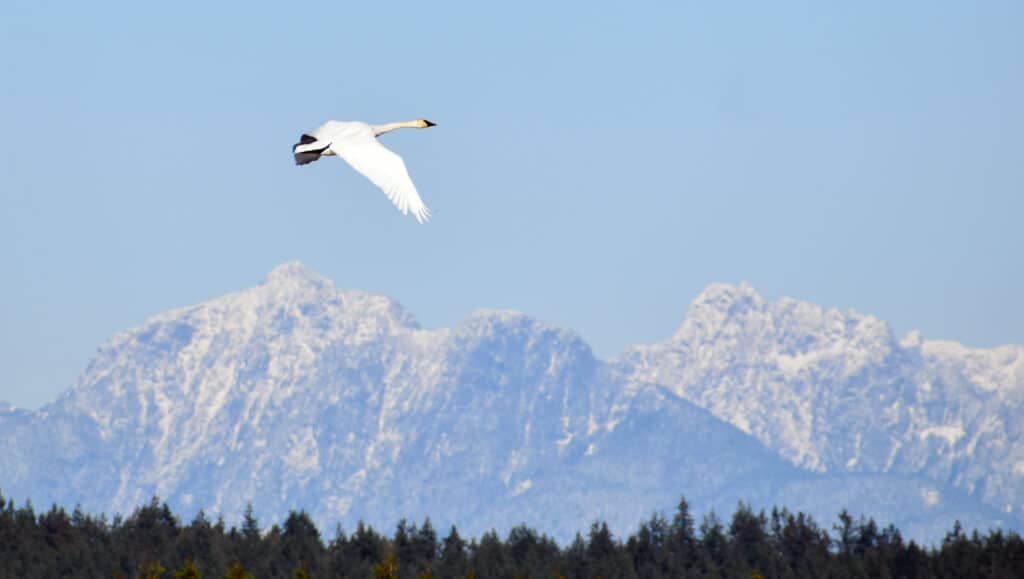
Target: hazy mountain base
(297, 395)
(661, 447)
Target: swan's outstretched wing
(385, 169)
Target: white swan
(356, 142)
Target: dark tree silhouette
(152, 542)
(454, 561)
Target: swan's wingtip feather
(423, 214)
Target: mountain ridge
(295, 393)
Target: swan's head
(424, 123)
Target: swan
(356, 142)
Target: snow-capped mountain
(838, 393)
(295, 394)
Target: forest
(153, 542)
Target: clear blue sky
(595, 166)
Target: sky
(595, 165)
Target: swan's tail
(307, 150)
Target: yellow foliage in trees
(236, 571)
(188, 571)
(387, 569)
(151, 570)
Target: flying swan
(356, 142)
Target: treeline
(153, 542)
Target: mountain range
(297, 394)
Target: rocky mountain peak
(295, 272)
(723, 312)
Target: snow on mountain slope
(837, 392)
(295, 394)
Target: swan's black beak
(429, 124)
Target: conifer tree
(271, 561)
(357, 557)
(574, 561)
(250, 525)
(454, 559)
(424, 545)
(750, 538)
(604, 558)
(204, 544)
(681, 544)
(646, 547)
(489, 558)
(715, 549)
(405, 556)
(337, 553)
(300, 542)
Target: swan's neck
(381, 129)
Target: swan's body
(356, 142)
